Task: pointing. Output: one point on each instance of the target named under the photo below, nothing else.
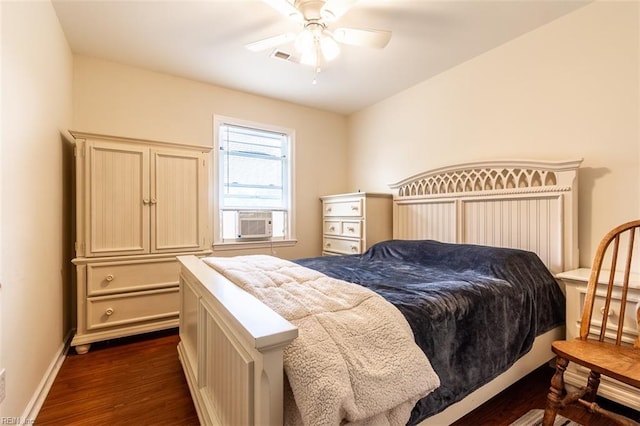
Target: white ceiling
(204, 41)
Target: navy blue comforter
(474, 310)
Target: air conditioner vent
(254, 224)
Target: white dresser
(351, 223)
(576, 287)
(138, 204)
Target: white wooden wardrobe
(139, 204)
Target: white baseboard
(35, 404)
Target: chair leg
(592, 386)
(556, 392)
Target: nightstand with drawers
(575, 283)
(351, 223)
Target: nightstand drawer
(108, 278)
(343, 208)
(345, 246)
(115, 310)
(629, 329)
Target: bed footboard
(231, 348)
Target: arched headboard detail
(525, 204)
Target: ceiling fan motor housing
(311, 9)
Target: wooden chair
(600, 347)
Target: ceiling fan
(316, 43)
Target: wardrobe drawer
(341, 246)
(343, 208)
(116, 310)
(109, 278)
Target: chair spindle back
(610, 248)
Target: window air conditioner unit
(254, 224)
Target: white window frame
(217, 179)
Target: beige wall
(125, 101)
(35, 218)
(566, 90)
(1, 180)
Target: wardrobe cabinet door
(117, 190)
(178, 201)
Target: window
(253, 179)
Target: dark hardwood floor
(530, 393)
(139, 381)
(129, 381)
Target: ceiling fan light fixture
(316, 45)
(329, 47)
(305, 41)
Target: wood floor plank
(139, 381)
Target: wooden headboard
(524, 204)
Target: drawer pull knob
(354, 208)
(351, 229)
(145, 201)
(611, 312)
(333, 228)
(354, 248)
(328, 209)
(109, 277)
(328, 245)
(108, 312)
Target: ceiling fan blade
(271, 42)
(285, 7)
(332, 10)
(358, 37)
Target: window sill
(246, 245)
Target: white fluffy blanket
(354, 361)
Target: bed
(232, 345)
